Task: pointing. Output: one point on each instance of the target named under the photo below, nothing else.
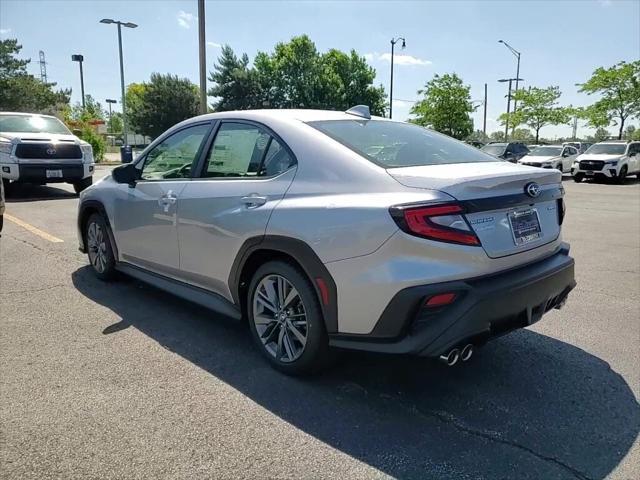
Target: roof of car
(303, 115)
(25, 114)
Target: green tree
(522, 135)
(162, 102)
(114, 124)
(446, 106)
(22, 92)
(537, 107)
(91, 111)
(601, 134)
(295, 75)
(497, 136)
(236, 85)
(619, 90)
(478, 136)
(630, 132)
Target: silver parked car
(335, 229)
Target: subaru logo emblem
(532, 189)
(51, 151)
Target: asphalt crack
(32, 290)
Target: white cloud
(605, 3)
(185, 19)
(403, 59)
(4, 31)
(214, 45)
(398, 59)
(402, 103)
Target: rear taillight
(443, 222)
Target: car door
(145, 222)
(634, 157)
(245, 173)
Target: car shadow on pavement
(526, 406)
(28, 192)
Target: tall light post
(506, 126)
(80, 59)
(203, 60)
(124, 108)
(110, 101)
(517, 55)
(393, 44)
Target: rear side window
(394, 144)
(242, 150)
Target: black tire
(104, 269)
(622, 176)
(316, 353)
(80, 185)
(578, 177)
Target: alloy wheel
(280, 318)
(97, 247)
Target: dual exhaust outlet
(452, 357)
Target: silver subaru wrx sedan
(330, 230)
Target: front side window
(242, 150)
(32, 124)
(395, 144)
(496, 150)
(175, 155)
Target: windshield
(546, 152)
(32, 124)
(394, 144)
(494, 149)
(607, 149)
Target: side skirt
(202, 297)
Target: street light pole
(393, 44)
(203, 60)
(110, 101)
(517, 55)
(123, 101)
(80, 59)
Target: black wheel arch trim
(306, 258)
(94, 205)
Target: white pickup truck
(40, 149)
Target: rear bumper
(485, 308)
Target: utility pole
(203, 58)
(575, 128)
(110, 101)
(80, 59)
(506, 127)
(517, 55)
(484, 122)
(393, 44)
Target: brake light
(440, 300)
(443, 223)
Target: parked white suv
(614, 159)
(40, 149)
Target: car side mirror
(127, 173)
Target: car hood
(538, 159)
(586, 156)
(18, 137)
(474, 180)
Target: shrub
(96, 141)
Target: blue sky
(561, 42)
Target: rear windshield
(32, 124)
(494, 149)
(395, 144)
(607, 149)
(546, 152)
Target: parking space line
(32, 229)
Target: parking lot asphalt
(119, 380)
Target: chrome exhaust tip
(451, 358)
(466, 353)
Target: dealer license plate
(525, 226)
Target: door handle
(165, 201)
(253, 200)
